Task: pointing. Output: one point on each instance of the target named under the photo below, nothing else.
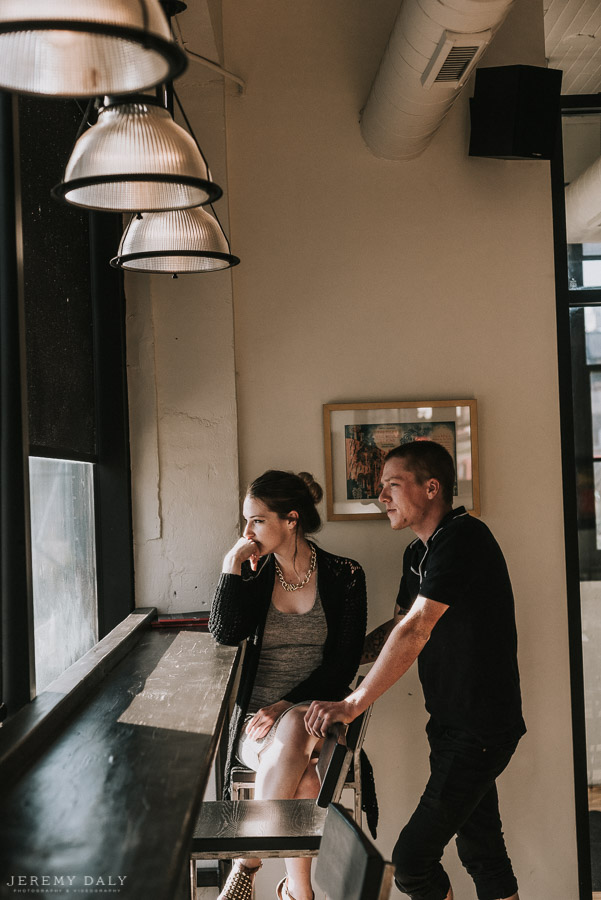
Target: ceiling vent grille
(454, 58)
(456, 63)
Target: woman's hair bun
(314, 488)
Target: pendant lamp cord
(145, 22)
(86, 117)
(85, 122)
(191, 130)
(125, 233)
(227, 240)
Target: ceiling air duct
(431, 52)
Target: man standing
(456, 617)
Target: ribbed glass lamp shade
(85, 48)
(136, 159)
(181, 241)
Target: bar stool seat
(267, 828)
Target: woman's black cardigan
(239, 612)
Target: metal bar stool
(230, 829)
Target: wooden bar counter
(108, 802)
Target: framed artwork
(357, 437)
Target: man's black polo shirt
(468, 668)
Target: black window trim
(565, 299)
(112, 488)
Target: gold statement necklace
(295, 587)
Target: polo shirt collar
(446, 520)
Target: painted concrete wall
(182, 401)
(369, 280)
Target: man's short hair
(427, 459)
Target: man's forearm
(405, 642)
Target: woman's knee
(292, 726)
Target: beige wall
(370, 280)
(362, 280)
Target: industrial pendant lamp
(136, 159)
(183, 241)
(86, 48)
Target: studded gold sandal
(282, 891)
(239, 884)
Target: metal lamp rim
(117, 262)
(175, 56)
(137, 99)
(60, 191)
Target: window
(576, 211)
(582, 149)
(584, 266)
(73, 307)
(585, 326)
(63, 551)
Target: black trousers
(460, 799)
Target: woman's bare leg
(299, 867)
(283, 766)
(284, 762)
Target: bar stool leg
(358, 810)
(192, 879)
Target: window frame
(589, 565)
(585, 458)
(565, 300)
(112, 488)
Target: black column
(16, 635)
(114, 560)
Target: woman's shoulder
(336, 563)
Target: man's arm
(376, 639)
(406, 641)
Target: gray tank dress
(292, 649)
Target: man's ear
(432, 488)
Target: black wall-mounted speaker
(515, 112)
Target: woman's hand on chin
(323, 713)
(262, 720)
(242, 550)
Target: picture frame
(357, 436)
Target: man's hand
(263, 719)
(323, 713)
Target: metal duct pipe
(583, 206)
(433, 48)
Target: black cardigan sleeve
(347, 623)
(235, 609)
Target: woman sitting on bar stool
(303, 613)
